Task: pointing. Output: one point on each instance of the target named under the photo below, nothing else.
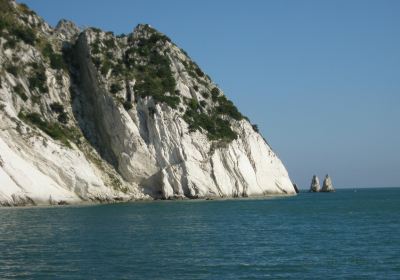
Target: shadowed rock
(296, 188)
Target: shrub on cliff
(205, 94)
(19, 90)
(255, 128)
(215, 93)
(56, 60)
(216, 127)
(63, 118)
(12, 69)
(54, 130)
(25, 34)
(116, 87)
(38, 79)
(57, 107)
(127, 105)
(226, 107)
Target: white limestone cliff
(107, 141)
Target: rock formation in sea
(86, 115)
(315, 187)
(327, 185)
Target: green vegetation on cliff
(214, 121)
(37, 79)
(10, 28)
(54, 130)
(216, 127)
(152, 70)
(147, 61)
(56, 60)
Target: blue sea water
(350, 234)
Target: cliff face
(89, 116)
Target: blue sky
(320, 78)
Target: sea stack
(327, 185)
(315, 187)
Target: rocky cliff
(89, 116)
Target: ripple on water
(340, 235)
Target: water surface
(348, 234)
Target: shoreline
(146, 200)
(185, 199)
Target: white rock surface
(140, 154)
(34, 169)
(67, 30)
(315, 186)
(327, 185)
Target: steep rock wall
(89, 116)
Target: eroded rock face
(89, 116)
(327, 185)
(315, 187)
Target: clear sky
(320, 78)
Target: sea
(349, 234)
